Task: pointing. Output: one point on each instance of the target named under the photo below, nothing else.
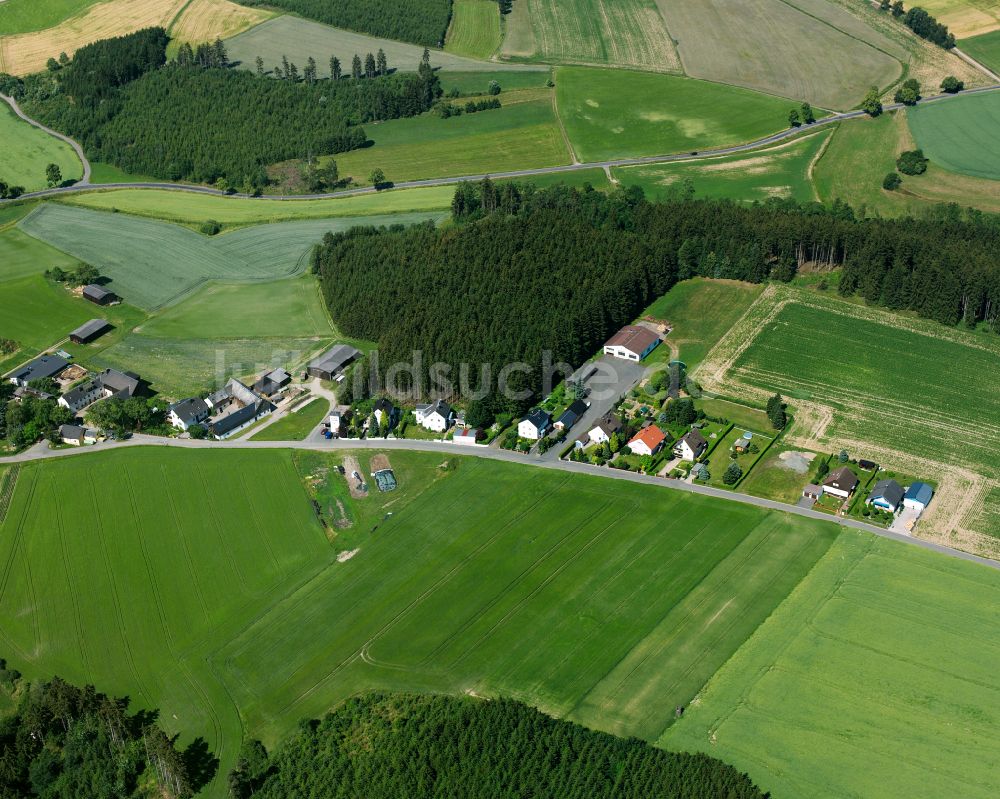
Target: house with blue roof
(918, 496)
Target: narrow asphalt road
(85, 180)
(85, 185)
(42, 451)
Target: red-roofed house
(647, 441)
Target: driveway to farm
(86, 185)
(41, 451)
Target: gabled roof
(188, 410)
(72, 431)
(90, 329)
(384, 404)
(441, 407)
(40, 367)
(920, 492)
(335, 358)
(651, 436)
(694, 439)
(889, 490)
(572, 414)
(633, 337)
(75, 395)
(125, 384)
(538, 418)
(843, 478)
(609, 423)
(96, 292)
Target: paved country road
(85, 185)
(42, 452)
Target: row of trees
(559, 270)
(419, 21)
(177, 122)
(430, 746)
(65, 741)
(374, 66)
(921, 23)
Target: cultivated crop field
(23, 16)
(300, 38)
(152, 277)
(208, 20)
(965, 18)
(782, 171)
(27, 151)
(475, 28)
(194, 209)
(616, 114)
(876, 678)
(217, 598)
(523, 134)
(984, 48)
(883, 386)
(626, 33)
(805, 50)
(960, 135)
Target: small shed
(812, 491)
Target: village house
(841, 483)
(435, 416)
(385, 410)
(606, 427)
(535, 425)
(99, 296)
(647, 441)
(691, 446)
(918, 496)
(188, 412)
(41, 367)
(337, 418)
(631, 343)
(886, 495)
(571, 415)
(237, 406)
(104, 385)
(76, 436)
(88, 331)
(332, 363)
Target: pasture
(153, 277)
(479, 82)
(700, 311)
(28, 150)
(876, 678)
(298, 424)
(616, 114)
(217, 598)
(300, 38)
(475, 29)
(985, 48)
(623, 33)
(805, 50)
(884, 386)
(781, 171)
(960, 134)
(193, 209)
(21, 255)
(523, 134)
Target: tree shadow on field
(199, 763)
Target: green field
(479, 82)
(177, 206)
(25, 16)
(182, 260)
(616, 114)
(523, 134)
(701, 311)
(985, 48)
(296, 426)
(771, 46)
(960, 134)
(28, 150)
(109, 173)
(217, 598)
(628, 33)
(21, 255)
(782, 171)
(300, 38)
(876, 678)
(474, 30)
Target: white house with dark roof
(104, 385)
(886, 495)
(237, 406)
(535, 425)
(841, 483)
(691, 446)
(435, 416)
(76, 436)
(571, 415)
(918, 496)
(188, 412)
(38, 369)
(606, 427)
(631, 343)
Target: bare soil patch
(355, 484)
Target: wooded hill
(390, 746)
(526, 271)
(419, 21)
(195, 120)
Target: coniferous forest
(197, 120)
(419, 21)
(392, 746)
(561, 269)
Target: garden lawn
(297, 425)
(960, 134)
(701, 312)
(876, 678)
(743, 415)
(985, 48)
(782, 171)
(27, 151)
(773, 479)
(175, 206)
(153, 264)
(616, 114)
(520, 135)
(475, 28)
(217, 598)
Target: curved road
(86, 185)
(42, 451)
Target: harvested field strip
(208, 20)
